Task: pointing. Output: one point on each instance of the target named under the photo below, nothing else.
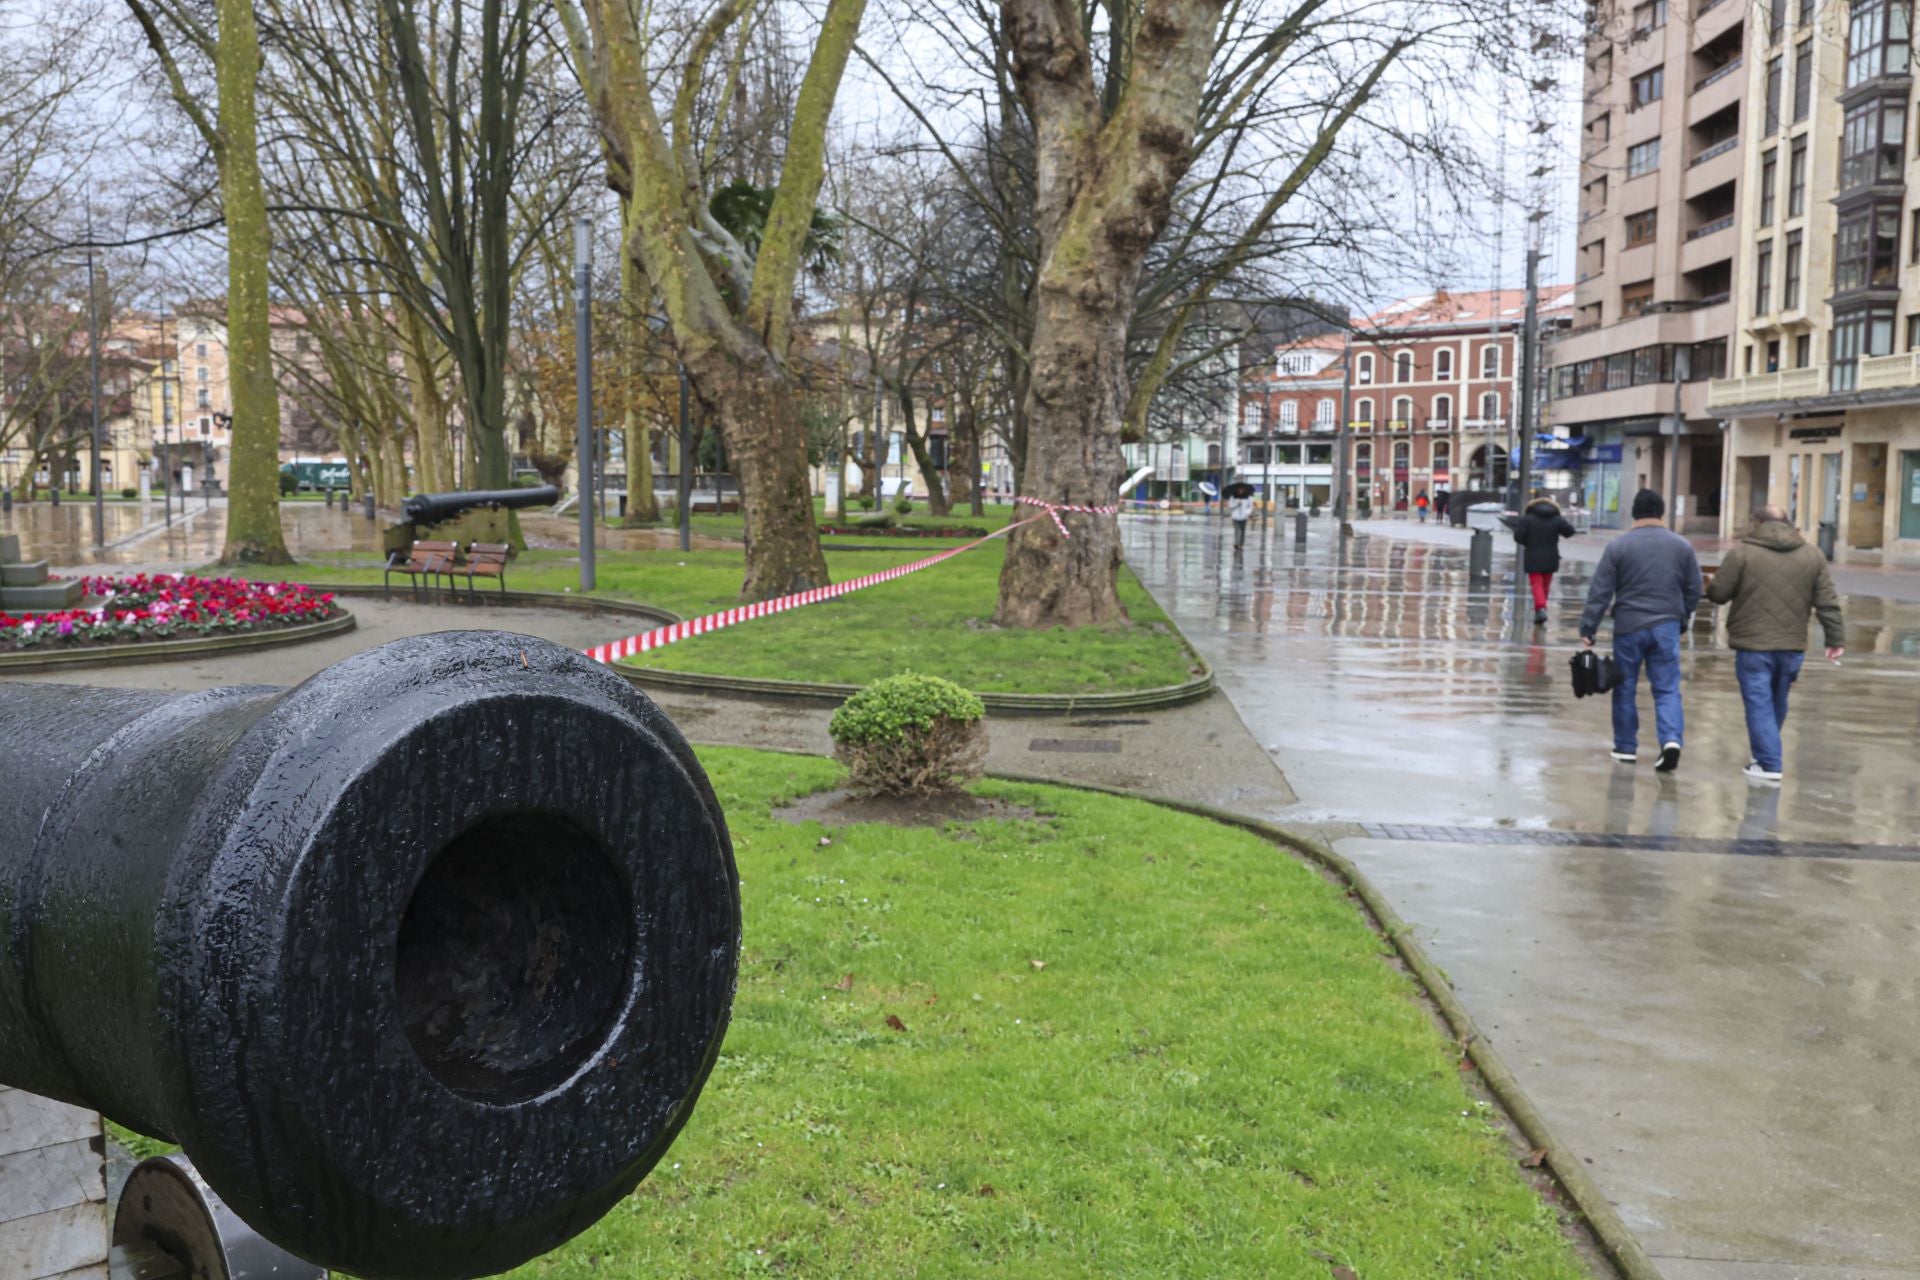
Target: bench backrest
(432, 554)
(493, 553)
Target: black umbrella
(1239, 489)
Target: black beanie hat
(1648, 505)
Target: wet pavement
(1708, 986)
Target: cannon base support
(170, 1222)
(53, 1190)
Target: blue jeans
(1658, 647)
(1766, 676)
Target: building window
(1634, 299)
(1363, 458)
(1871, 143)
(1443, 364)
(1490, 360)
(1213, 457)
(1364, 372)
(1775, 70)
(1797, 179)
(303, 343)
(1803, 81)
(1763, 279)
(1250, 416)
(1769, 164)
(1643, 158)
(1323, 415)
(1790, 284)
(1877, 35)
(1867, 248)
(1490, 407)
(1402, 414)
(1649, 17)
(200, 349)
(1640, 227)
(1296, 363)
(1403, 367)
(1442, 412)
(1913, 332)
(1647, 88)
(206, 398)
(1865, 332)
(1442, 459)
(1776, 21)
(201, 374)
(1289, 416)
(1806, 13)
(1803, 351)
(1363, 410)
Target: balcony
(1710, 243)
(1714, 167)
(1438, 425)
(1877, 373)
(1360, 428)
(1400, 424)
(1712, 21)
(1764, 388)
(1716, 92)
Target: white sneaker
(1623, 757)
(1757, 774)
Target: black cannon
(433, 508)
(423, 961)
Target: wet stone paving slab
(1707, 985)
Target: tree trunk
(1072, 456)
(936, 487)
(641, 508)
(433, 447)
(759, 419)
(253, 469)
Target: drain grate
(1103, 724)
(1748, 847)
(1090, 746)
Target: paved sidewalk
(1888, 582)
(1707, 986)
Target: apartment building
(1824, 403)
(1289, 418)
(1661, 176)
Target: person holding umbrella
(1239, 510)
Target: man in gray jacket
(1773, 579)
(1649, 578)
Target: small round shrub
(129, 493)
(866, 502)
(903, 506)
(910, 735)
(289, 483)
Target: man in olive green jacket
(1773, 579)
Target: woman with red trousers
(1539, 530)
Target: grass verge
(1132, 1043)
(1216, 1072)
(935, 622)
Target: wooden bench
(488, 560)
(423, 559)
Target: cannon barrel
(423, 961)
(432, 508)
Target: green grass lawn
(935, 621)
(997, 515)
(1217, 1072)
(1136, 1044)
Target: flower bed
(166, 606)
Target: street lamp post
(686, 465)
(1341, 436)
(583, 375)
(93, 338)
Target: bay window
(1878, 32)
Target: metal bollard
(366, 501)
(1300, 528)
(327, 494)
(424, 962)
(1480, 557)
(6, 501)
(56, 495)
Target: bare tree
(730, 305)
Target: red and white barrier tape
(1055, 508)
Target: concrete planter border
(171, 650)
(1619, 1244)
(1033, 704)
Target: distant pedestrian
(1538, 530)
(1240, 510)
(1773, 579)
(1440, 499)
(1420, 504)
(1649, 579)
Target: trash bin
(1485, 515)
(1829, 537)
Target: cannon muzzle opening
(423, 962)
